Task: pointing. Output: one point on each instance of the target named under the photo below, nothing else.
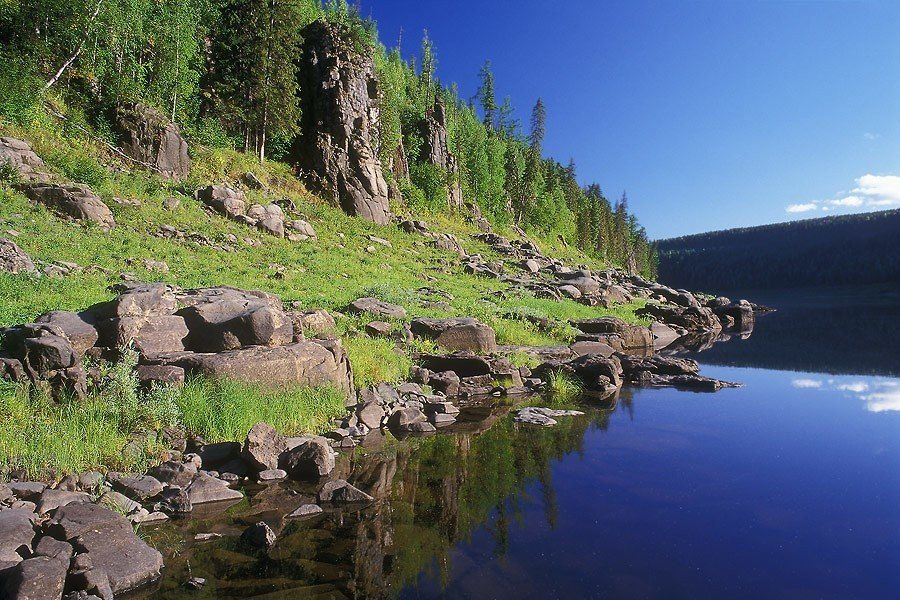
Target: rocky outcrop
(13, 259)
(269, 218)
(615, 333)
(436, 150)
(336, 148)
(218, 332)
(376, 307)
(74, 200)
(149, 137)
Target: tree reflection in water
(431, 493)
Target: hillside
(838, 250)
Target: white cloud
(857, 387)
(806, 383)
(871, 191)
(848, 201)
(871, 136)
(799, 208)
(883, 401)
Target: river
(788, 487)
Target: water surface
(788, 487)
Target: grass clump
(376, 360)
(563, 388)
(224, 410)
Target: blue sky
(710, 114)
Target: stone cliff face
(336, 148)
(436, 149)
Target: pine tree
(538, 126)
(487, 96)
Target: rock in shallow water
(543, 416)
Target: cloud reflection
(880, 395)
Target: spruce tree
(487, 96)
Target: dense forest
(839, 250)
(226, 72)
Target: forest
(838, 250)
(226, 72)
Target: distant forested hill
(848, 249)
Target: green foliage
(376, 360)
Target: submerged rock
(543, 416)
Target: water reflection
(840, 331)
(879, 394)
(431, 494)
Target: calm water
(786, 488)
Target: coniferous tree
(538, 126)
(487, 96)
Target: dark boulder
(310, 460)
(226, 319)
(39, 578)
(339, 491)
(78, 328)
(19, 155)
(206, 489)
(263, 447)
(16, 534)
(150, 375)
(307, 363)
(259, 536)
(336, 147)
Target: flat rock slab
(546, 417)
(53, 499)
(206, 489)
(307, 510)
(126, 560)
(376, 307)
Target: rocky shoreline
(76, 534)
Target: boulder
(258, 537)
(585, 285)
(403, 419)
(306, 363)
(148, 335)
(149, 137)
(311, 323)
(378, 328)
(376, 307)
(110, 541)
(232, 319)
(545, 417)
(150, 375)
(214, 456)
(138, 299)
(310, 460)
(16, 534)
(306, 510)
(205, 489)
(54, 548)
(263, 447)
(174, 473)
(336, 147)
(370, 414)
(13, 259)
(19, 155)
(463, 364)
(459, 333)
(73, 200)
(78, 328)
(339, 491)
(53, 499)
(137, 487)
(223, 199)
(39, 578)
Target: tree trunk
(78, 50)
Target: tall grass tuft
(563, 388)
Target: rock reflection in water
(430, 493)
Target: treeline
(225, 71)
(839, 250)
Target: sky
(710, 115)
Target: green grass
(329, 272)
(563, 388)
(225, 410)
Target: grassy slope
(326, 273)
